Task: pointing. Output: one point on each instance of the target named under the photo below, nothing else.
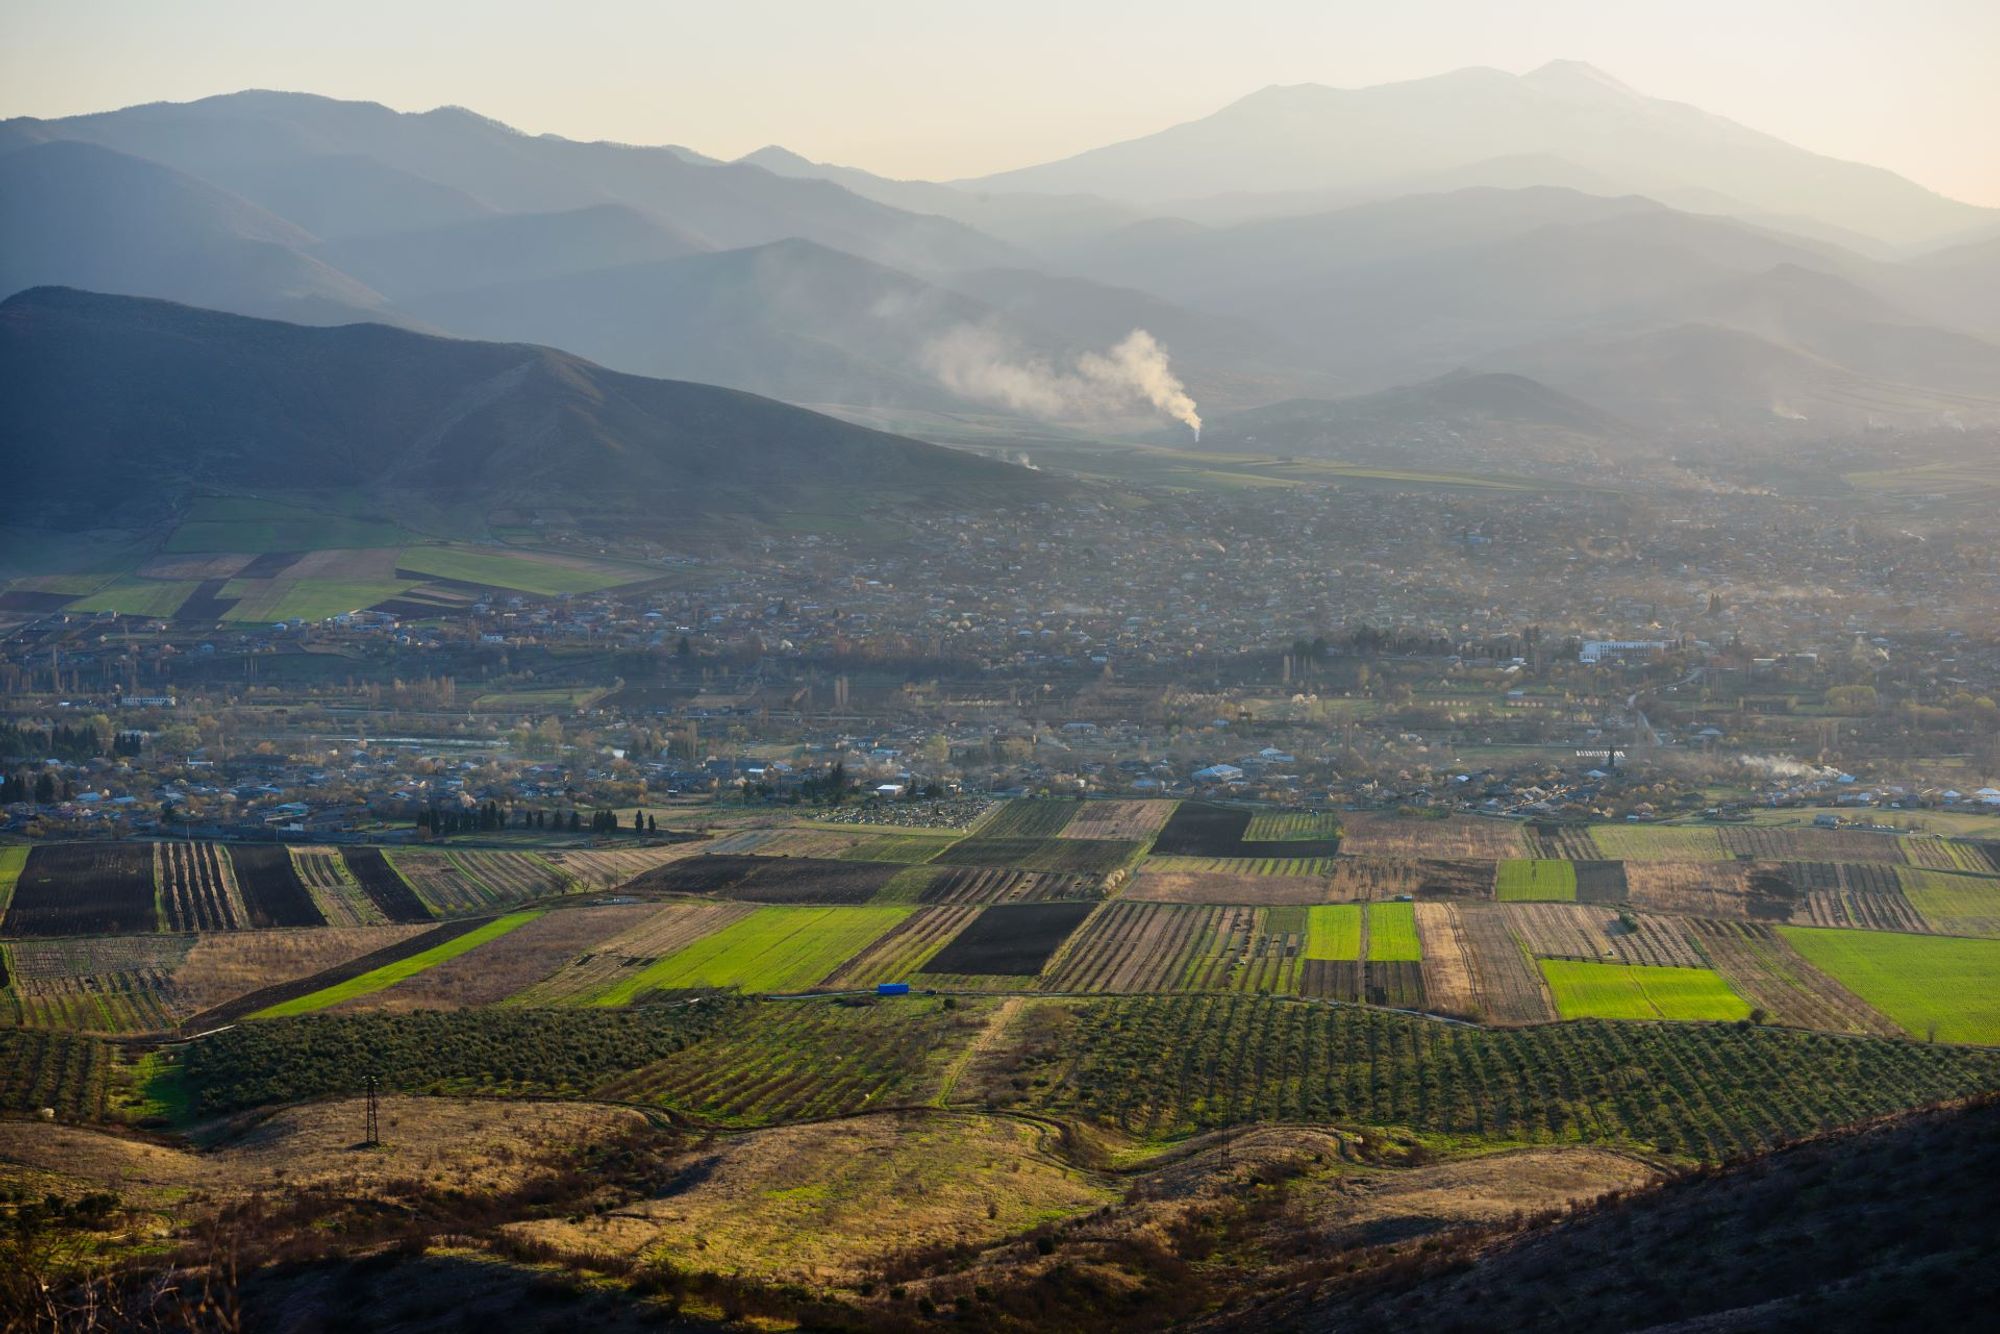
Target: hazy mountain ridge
(1312, 137)
(112, 400)
(834, 288)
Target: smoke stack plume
(1134, 372)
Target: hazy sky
(943, 88)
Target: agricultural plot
(1029, 819)
(1333, 931)
(1138, 947)
(1010, 939)
(1077, 856)
(388, 974)
(790, 843)
(1118, 821)
(539, 573)
(1356, 879)
(902, 849)
(1292, 826)
(809, 1062)
(324, 981)
(63, 1073)
(772, 950)
(1869, 912)
(1459, 838)
(1952, 902)
(1529, 881)
(1947, 854)
(511, 962)
(390, 893)
(513, 877)
(451, 883)
(1710, 889)
(662, 932)
(609, 869)
(1246, 949)
(1766, 971)
(1785, 844)
(1600, 882)
(1157, 886)
(1455, 879)
(220, 968)
(197, 888)
(1447, 961)
(12, 861)
(803, 880)
(1630, 991)
(1942, 987)
(702, 874)
(1659, 843)
(904, 949)
(83, 889)
(1202, 829)
(1284, 867)
(1509, 986)
(336, 895)
(1579, 931)
(272, 892)
(1557, 842)
(108, 984)
(1392, 933)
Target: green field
(1633, 991)
(138, 597)
(305, 599)
(244, 523)
(1527, 881)
(1392, 933)
(773, 950)
(391, 973)
(1959, 905)
(12, 859)
(1333, 931)
(1940, 985)
(523, 571)
(1658, 843)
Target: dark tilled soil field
(84, 889)
(812, 880)
(1330, 979)
(1010, 939)
(1399, 984)
(1072, 855)
(1198, 829)
(398, 902)
(1454, 880)
(1600, 882)
(272, 890)
(705, 874)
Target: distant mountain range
(121, 407)
(1655, 264)
(1542, 128)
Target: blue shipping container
(892, 988)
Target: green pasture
(1942, 986)
(1635, 991)
(773, 950)
(379, 979)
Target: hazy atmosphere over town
(888, 666)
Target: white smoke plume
(1784, 766)
(978, 364)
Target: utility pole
(374, 1136)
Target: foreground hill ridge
(129, 400)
